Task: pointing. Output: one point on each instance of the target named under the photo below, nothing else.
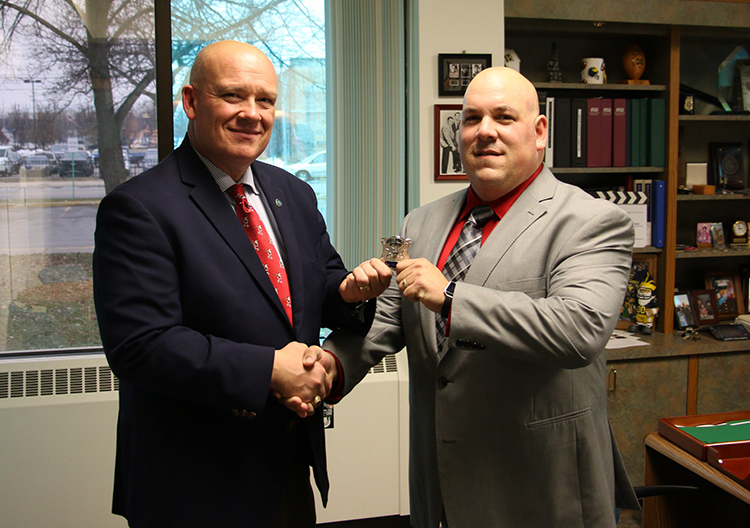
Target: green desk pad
(735, 431)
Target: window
(77, 117)
(84, 97)
(292, 34)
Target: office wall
(450, 26)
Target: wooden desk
(721, 502)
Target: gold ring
(404, 284)
(366, 287)
(316, 402)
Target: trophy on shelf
(734, 82)
(634, 63)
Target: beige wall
(450, 26)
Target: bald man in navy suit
(217, 423)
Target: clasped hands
(303, 376)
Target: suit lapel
(214, 205)
(528, 209)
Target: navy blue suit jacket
(189, 322)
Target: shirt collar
(224, 180)
(502, 204)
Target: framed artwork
(455, 71)
(704, 307)
(727, 290)
(726, 166)
(684, 315)
(703, 235)
(447, 160)
(643, 264)
(717, 234)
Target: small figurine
(634, 63)
(553, 66)
(647, 308)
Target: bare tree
(105, 48)
(20, 124)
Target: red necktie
(267, 253)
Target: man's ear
(188, 101)
(540, 126)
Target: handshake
(302, 377)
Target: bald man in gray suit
(508, 420)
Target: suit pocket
(559, 418)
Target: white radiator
(57, 442)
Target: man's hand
(366, 281)
(298, 377)
(421, 281)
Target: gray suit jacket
(510, 428)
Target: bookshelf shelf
(601, 87)
(711, 197)
(726, 252)
(606, 170)
(721, 118)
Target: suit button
(291, 425)
(442, 382)
(248, 414)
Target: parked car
(125, 157)
(54, 164)
(59, 149)
(312, 167)
(36, 165)
(10, 161)
(80, 160)
(150, 159)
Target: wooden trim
(692, 385)
(667, 270)
(164, 108)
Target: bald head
(506, 80)
(502, 134)
(230, 102)
(213, 55)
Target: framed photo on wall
(447, 160)
(727, 293)
(684, 315)
(704, 306)
(455, 71)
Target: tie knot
(481, 214)
(237, 190)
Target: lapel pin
(278, 203)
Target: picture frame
(684, 314)
(641, 262)
(448, 164)
(727, 290)
(456, 70)
(726, 165)
(717, 235)
(704, 307)
(703, 238)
